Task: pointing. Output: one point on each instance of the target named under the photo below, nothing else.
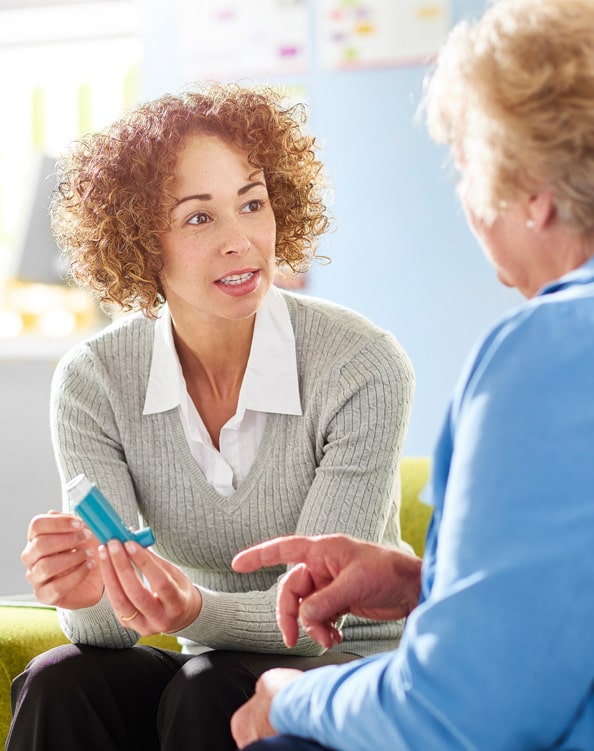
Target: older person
(224, 411)
(498, 654)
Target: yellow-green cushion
(27, 631)
(414, 514)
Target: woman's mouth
(235, 279)
(242, 283)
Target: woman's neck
(214, 359)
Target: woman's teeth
(237, 278)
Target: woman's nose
(234, 239)
(239, 246)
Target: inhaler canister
(100, 516)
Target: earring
(530, 224)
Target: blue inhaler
(100, 516)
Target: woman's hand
(61, 563)
(166, 601)
(251, 721)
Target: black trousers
(80, 698)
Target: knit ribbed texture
(333, 469)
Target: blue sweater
(499, 654)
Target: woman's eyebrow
(199, 197)
(208, 196)
(249, 186)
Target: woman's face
(507, 243)
(219, 255)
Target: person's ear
(540, 209)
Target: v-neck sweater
(332, 469)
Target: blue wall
(401, 254)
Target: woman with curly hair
(221, 411)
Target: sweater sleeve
(86, 440)
(365, 408)
(495, 656)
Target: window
(67, 69)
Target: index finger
(289, 550)
(52, 523)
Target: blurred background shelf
(36, 348)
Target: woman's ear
(540, 209)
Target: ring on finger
(127, 618)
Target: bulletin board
(380, 33)
(232, 39)
(235, 39)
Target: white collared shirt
(270, 384)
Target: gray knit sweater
(332, 469)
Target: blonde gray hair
(513, 96)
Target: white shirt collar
(270, 383)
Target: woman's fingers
(58, 556)
(49, 534)
(49, 567)
(148, 593)
(123, 585)
(49, 545)
(53, 590)
(52, 522)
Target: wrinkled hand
(165, 602)
(334, 575)
(60, 561)
(251, 722)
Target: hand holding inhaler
(100, 516)
(142, 587)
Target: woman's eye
(199, 218)
(252, 206)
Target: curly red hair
(114, 193)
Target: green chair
(26, 631)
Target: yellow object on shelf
(51, 310)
